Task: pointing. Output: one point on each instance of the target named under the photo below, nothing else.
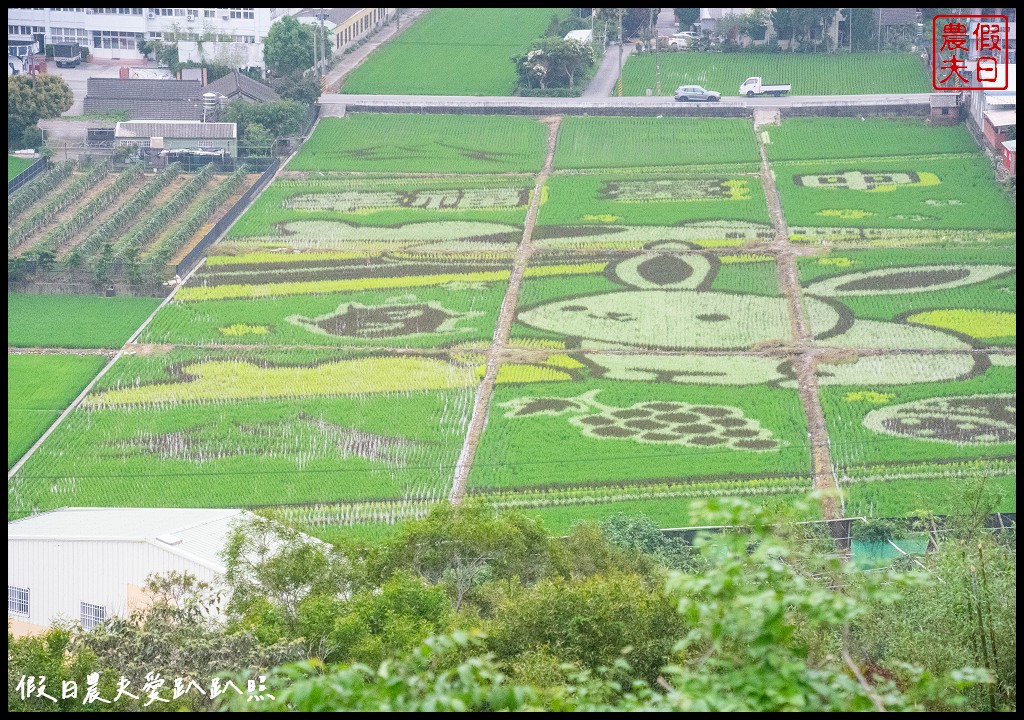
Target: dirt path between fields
(804, 356)
(12, 350)
(504, 327)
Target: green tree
(280, 118)
(288, 48)
(462, 548)
(588, 622)
(30, 100)
(553, 62)
(48, 655)
(258, 141)
(687, 17)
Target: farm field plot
(383, 201)
(817, 74)
(379, 300)
(607, 142)
(39, 388)
(665, 301)
(653, 199)
(453, 51)
(95, 226)
(941, 495)
(228, 428)
(903, 299)
(15, 166)
(424, 144)
(834, 138)
(74, 321)
(635, 419)
(917, 193)
(885, 412)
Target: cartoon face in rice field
(667, 304)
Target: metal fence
(189, 261)
(27, 174)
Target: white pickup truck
(753, 86)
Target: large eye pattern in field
(967, 420)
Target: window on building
(92, 615)
(115, 40)
(249, 39)
(242, 13)
(66, 35)
(17, 600)
(115, 11)
(209, 13)
(155, 35)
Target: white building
(113, 33)
(87, 564)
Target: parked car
(696, 93)
(682, 39)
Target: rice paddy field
(453, 51)
(39, 388)
(74, 321)
(379, 332)
(809, 74)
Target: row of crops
(327, 357)
(88, 225)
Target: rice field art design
(872, 181)
(665, 301)
(393, 319)
(971, 419)
(678, 423)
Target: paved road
(542, 105)
(604, 80)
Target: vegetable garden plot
(883, 412)
(74, 321)
(809, 74)
(39, 388)
(605, 142)
(220, 429)
(636, 418)
(834, 138)
(383, 300)
(901, 299)
(425, 144)
(386, 201)
(954, 194)
(453, 51)
(666, 301)
(653, 200)
(941, 495)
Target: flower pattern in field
(677, 423)
(967, 420)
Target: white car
(682, 39)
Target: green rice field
(453, 51)
(15, 166)
(39, 388)
(413, 309)
(74, 321)
(809, 74)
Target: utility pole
(879, 29)
(316, 64)
(657, 61)
(620, 52)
